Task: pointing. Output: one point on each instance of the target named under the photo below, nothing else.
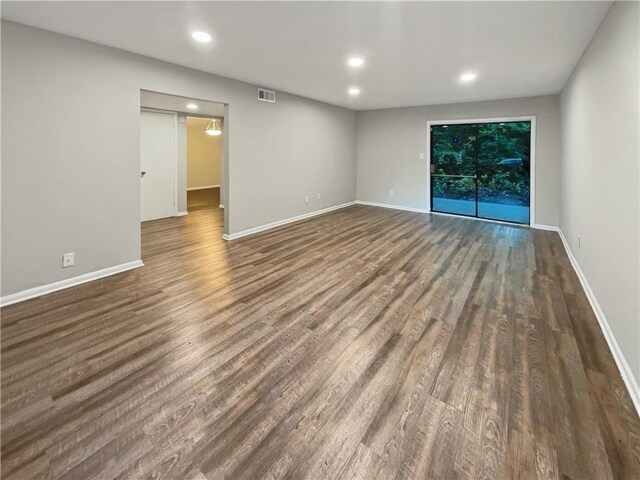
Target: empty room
(320, 240)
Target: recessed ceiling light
(356, 61)
(467, 77)
(202, 37)
(354, 91)
(192, 106)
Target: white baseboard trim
(621, 362)
(221, 206)
(69, 282)
(203, 187)
(551, 228)
(181, 214)
(269, 226)
(395, 207)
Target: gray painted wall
(390, 143)
(70, 153)
(600, 111)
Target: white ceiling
(415, 51)
(174, 103)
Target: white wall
(600, 111)
(390, 143)
(75, 185)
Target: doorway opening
(204, 160)
(483, 168)
(164, 169)
(179, 153)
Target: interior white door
(157, 165)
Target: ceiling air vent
(265, 95)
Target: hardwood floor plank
(364, 343)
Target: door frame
(532, 165)
(175, 157)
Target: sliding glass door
(453, 169)
(482, 170)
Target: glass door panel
(454, 195)
(503, 171)
(453, 169)
(482, 170)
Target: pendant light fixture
(213, 128)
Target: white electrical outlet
(68, 260)
(391, 193)
(318, 198)
(306, 199)
(421, 156)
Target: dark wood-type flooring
(202, 199)
(365, 343)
